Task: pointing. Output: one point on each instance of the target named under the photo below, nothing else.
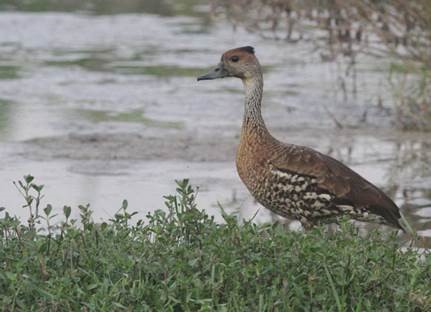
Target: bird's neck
(253, 123)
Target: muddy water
(101, 103)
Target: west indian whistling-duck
(291, 180)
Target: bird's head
(239, 62)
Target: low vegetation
(180, 259)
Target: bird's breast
(252, 161)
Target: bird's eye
(234, 58)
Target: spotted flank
(298, 196)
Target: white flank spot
(326, 197)
(287, 188)
(310, 195)
(318, 205)
(281, 174)
(345, 208)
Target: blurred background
(99, 99)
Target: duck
(294, 181)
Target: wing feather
(338, 179)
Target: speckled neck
(253, 122)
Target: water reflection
(132, 116)
(5, 112)
(160, 7)
(128, 67)
(8, 71)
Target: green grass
(179, 259)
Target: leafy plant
(179, 259)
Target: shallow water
(102, 107)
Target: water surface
(101, 103)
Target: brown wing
(338, 179)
